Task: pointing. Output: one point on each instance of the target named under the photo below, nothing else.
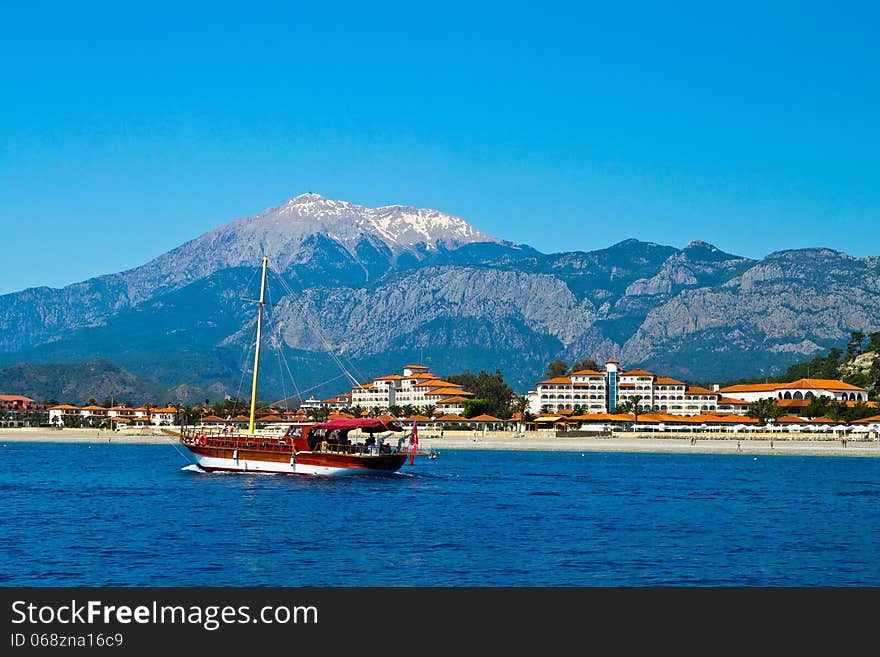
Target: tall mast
(260, 305)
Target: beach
(622, 441)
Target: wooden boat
(340, 446)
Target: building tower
(611, 382)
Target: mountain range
(373, 289)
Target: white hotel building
(415, 387)
(589, 391)
(96, 415)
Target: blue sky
(126, 130)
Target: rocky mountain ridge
(395, 284)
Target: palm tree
(520, 404)
(764, 409)
(634, 402)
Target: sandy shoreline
(619, 442)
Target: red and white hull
(214, 459)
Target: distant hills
(390, 286)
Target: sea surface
(140, 515)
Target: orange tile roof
(390, 376)
(809, 384)
(697, 390)
(437, 384)
(587, 373)
(636, 373)
(15, 398)
(733, 417)
(448, 392)
(866, 420)
(594, 417)
(485, 418)
(827, 384)
(65, 407)
(666, 381)
(732, 400)
(558, 379)
(451, 400)
(660, 417)
(704, 417)
(750, 387)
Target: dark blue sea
(131, 515)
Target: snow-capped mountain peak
(400, 227)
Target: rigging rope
(317, 329)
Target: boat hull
(309, 463)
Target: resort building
(416, 387)
(14, 409)
(337, 403)
(802, 389)
(589, 391)
(95, 416)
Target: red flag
(413, 442)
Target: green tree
(489, 387)
(817, 407)
(873, 341)
(586, 364)
(475, 407)
(635, 402)
(520, 404)
(764, 410)
(854, 346)
(831, 364)
(557, 368)
(836, 411)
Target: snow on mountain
(296, 233)
(400, 227)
